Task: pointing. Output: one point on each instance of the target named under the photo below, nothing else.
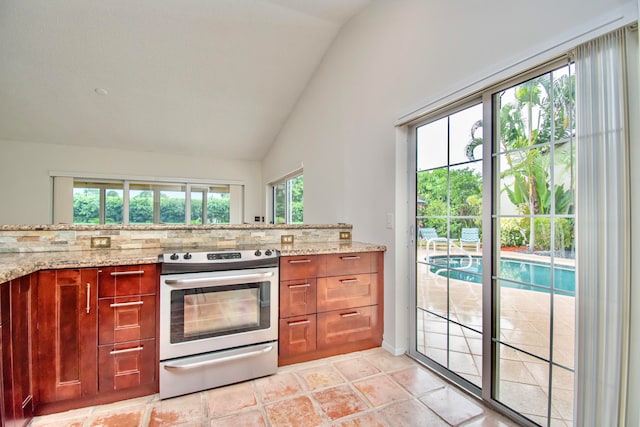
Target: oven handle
(217, 361)
(240, 278)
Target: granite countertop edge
(15, 265)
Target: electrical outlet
(345, 235)
(286, 239)
(101, 242)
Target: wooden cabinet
(127, 328)
(329, 304)
(67, 344)
(96, 336)
(16, 314)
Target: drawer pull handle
(299, 261)
(126, 304)
(349, 257)
(126, 350)
(300, 322)
(127, 273)
(303, 285)
(88, 297)
(355, 313)
(354, 280)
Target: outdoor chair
(429, 236)
(470, 236)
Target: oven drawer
(347, 326)
(340, 292)
(127, 280)
(126, 319)
(194, 373)
(353, 263)
(297, 335)
(299, 267)
(122, 366)
(297, 297)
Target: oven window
(219, 310)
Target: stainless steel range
(218, 318)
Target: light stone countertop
(14, 265)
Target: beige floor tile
(172, 412)
(411, 413)
(417, 380)
(296, 412)
(252, 418)
(225, 400)
(366, 420)
(451, 405)
(380, 390)
(277, 387)
(339, 402)
(320, 377)
(127, 417)
(354, 369)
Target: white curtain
(603, 227)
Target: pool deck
(525, 325)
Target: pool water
(523, 271)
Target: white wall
(397, 56)
(26, 185)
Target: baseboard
(396, 351)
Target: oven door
(205, 312)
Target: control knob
(267, 252)
(174, 256)
(187, 256)
(257, 252)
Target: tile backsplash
(54, 238)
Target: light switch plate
(345, 235)
(286, 239)
(101, 242)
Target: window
(288, 200)
(125, 202)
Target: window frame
(154, 186)
(287, 181)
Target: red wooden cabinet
(329, 304)
(96, 340)
(67, 341)
(127, 329)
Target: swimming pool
(510, 272)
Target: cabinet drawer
(127, 280)
(297, 297)
(360, 262)
(346, 326)
(126, 319)
(297, 335)
(299, 267)
(340, 292)
(123, 366)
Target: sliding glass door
(495, 281)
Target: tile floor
(361, 389)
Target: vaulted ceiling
(198, 77)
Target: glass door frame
(490, 236)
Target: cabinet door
(6, 371)
(67, 334)
(21, 342)
(126, 319)
(340, 292)
(127, 365)
(297, 297)
(297, 335)
(348, 326)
